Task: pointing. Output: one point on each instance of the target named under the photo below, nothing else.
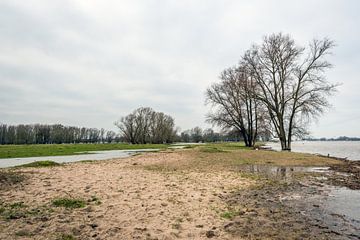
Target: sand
(133, 201)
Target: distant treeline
(196, 134)
(56, 133)
(142, 126)
(342, 138)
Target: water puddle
(334, 208)
(91, 155)
(279, 172)
(344, 202)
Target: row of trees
(160, 129)
(144, 125)
(196, 134)
(57, 133)
(277, 86)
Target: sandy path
(135, 203)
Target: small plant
(17, 210)
(40, 164)
(176, 226)
(17, 205)
(228, 214)
(13, 211)
(69, 203)
(10, 214)
(66, 237)
(23, 233)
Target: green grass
(66, 237)
(69, 203)
(46, 163)
(23, 233)
(14, 210)
(211, 149)
(17, 205)
(227, 145)
(229, 214)
(13, 151)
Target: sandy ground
(134, 202)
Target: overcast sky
(86, 63)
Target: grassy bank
(13, 151)
(233, 156)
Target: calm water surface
(342, 149)
(92, 155)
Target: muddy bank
(294, 203)
(285, 212)
(350, 176)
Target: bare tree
(234, 105)
(128, 128)
(144, 125)
(162, 128)
(291, 81)
(110, 136)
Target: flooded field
(91, 155)
(341, 149)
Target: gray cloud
(89, 62)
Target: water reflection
(279, 172)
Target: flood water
(341, 149)
(279, 172)
(336, 207)
(346, 202)
(91, 155)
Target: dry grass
(213, 158)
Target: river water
(342, 149)
(91, 155)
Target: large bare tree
(144, 125)
(234, 105)
(292, 83)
